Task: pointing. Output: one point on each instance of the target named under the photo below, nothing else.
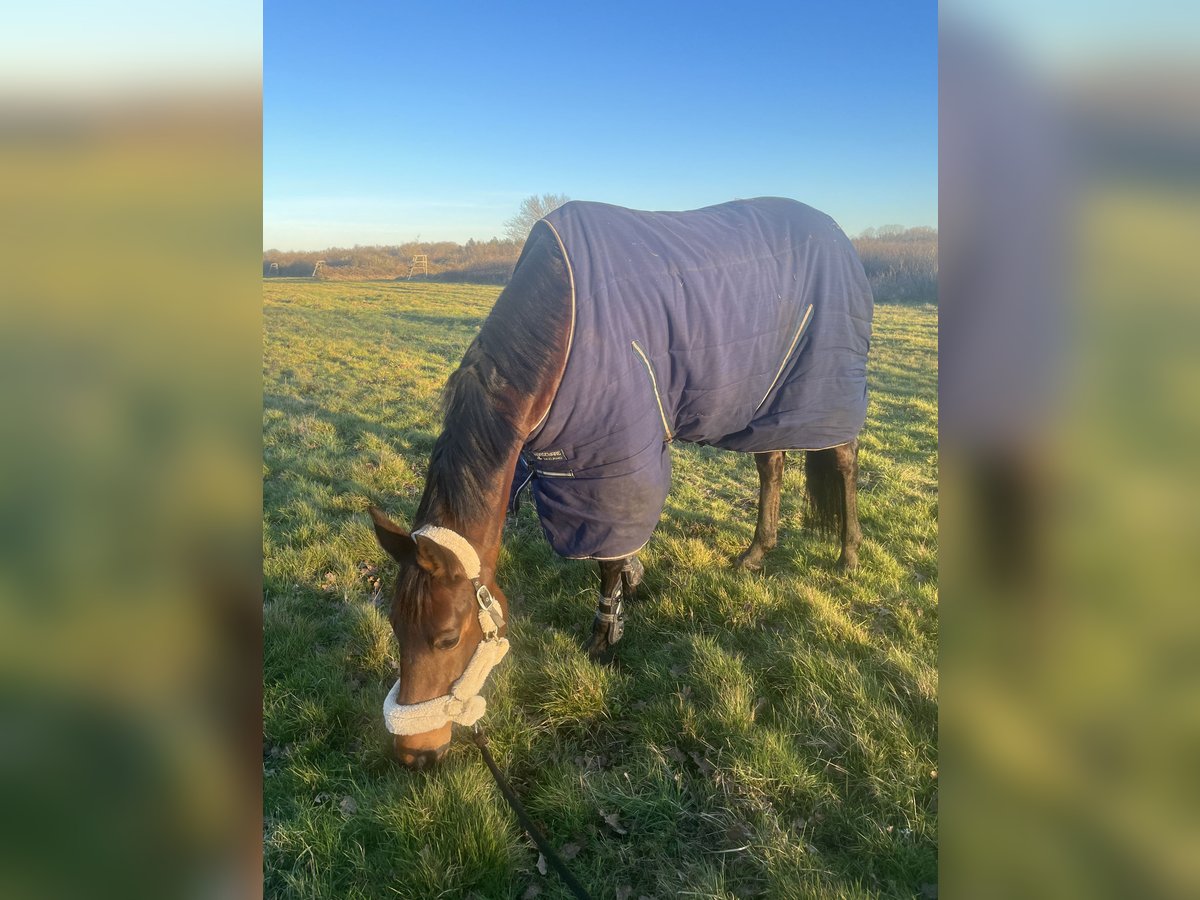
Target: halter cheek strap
(456, 544)
(463, 704)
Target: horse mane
(514, 353)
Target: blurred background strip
(130, 604)
(1070, 402)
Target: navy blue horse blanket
(744, 326)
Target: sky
(1082, 35)
(131, 46)
(388, 122)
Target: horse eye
(447, 641)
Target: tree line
(901, 263)
(482, 262)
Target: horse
(744, 326)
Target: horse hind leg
(831, 482)
(619, 579)
(766, 532)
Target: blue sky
(128, 47)
(391, 121)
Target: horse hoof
(748, 563)
(602, 656)
(847, 563)
(597, 646)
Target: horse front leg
(618, 580)
(766, 532)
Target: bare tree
(532, 208)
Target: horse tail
(826, 497)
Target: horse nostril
(423, 759)
(430, 758)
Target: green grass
(760, 735)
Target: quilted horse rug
(743, 326)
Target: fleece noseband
(463, 704)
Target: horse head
(449, 628)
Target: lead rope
(479, 738)
(490, 622)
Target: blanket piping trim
(786, 356)
(803, 449)
(654, 386)
(611, 558)
(571, 335)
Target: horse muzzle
(420, 759)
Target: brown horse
(501, 392)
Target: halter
(463, 704)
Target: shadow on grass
(350, 427)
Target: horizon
(374, 135)
(853, 235)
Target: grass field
(760, 735)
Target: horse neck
(503, 388)
(485, 531)
(484, 528)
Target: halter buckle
(491, 619)
(483, 596)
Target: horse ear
(436, 559)
(392, 538)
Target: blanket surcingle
(743, 326)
